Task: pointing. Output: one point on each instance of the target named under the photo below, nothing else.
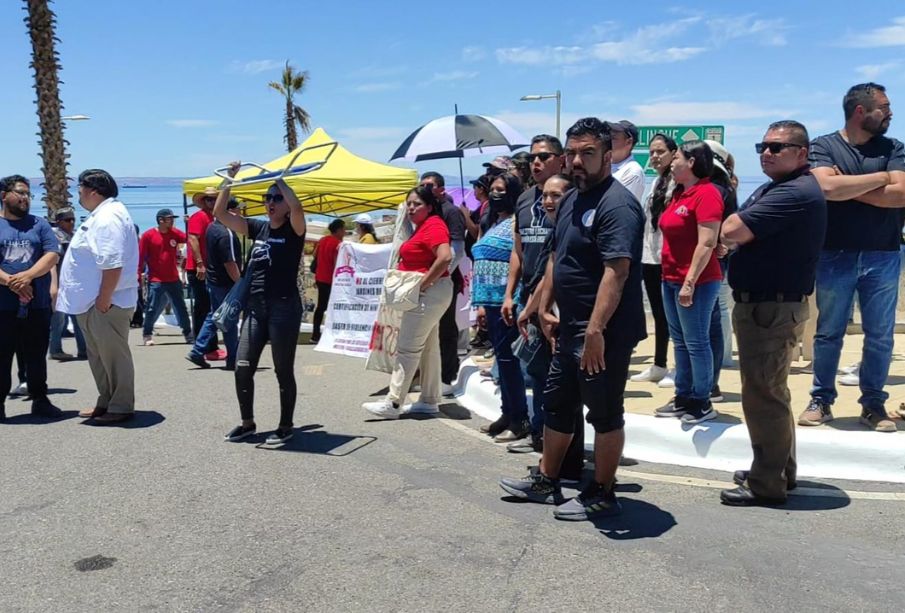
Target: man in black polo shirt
(223, 256)
(449, 331)
(862, 175)
(778, 233)
(594, 275)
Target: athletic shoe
(448, 390)
(877, 422)
(594, 501)
(535, 487)
(527, 445)
(147, 341)
(513, 433)
(488, 354)
(818, 412)
(280, 435)
(189, 339)
(852, 369)
(699, 412)
(44, 408)
(62, 356)
(851, 380)
(197, 360)
(382, 408)
(217, 355)
(716, 395)
(676, 407)
(240, 432)
(653, 374)
(19, 390)
(669, 380)
(420, 408)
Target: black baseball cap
(482, 182)
(627, 127)
(165, 213)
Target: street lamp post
(557, 96)
(75, 118)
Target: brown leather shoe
(92, 413)
(113, 418)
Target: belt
(751, 297)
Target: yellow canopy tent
(346, 184)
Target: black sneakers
(280, 435)
(44, 408)
(240, 432)
(197, 360)
(535, 487)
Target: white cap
(365, 219)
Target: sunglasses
(546, 155)
(209, 199)
(273, 198)
(773, 148)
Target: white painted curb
(822, 452)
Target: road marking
(708, 483)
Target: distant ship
(135, 186)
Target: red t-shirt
(417, 253)
(701, 203)
(158, 252)
(198, 224)
(327, 250)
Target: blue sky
(177, 88)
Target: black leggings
(323, 299)
(653, 279)
(276, 320)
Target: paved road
(357, 515)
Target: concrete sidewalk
(842, 448)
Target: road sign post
(680, 134)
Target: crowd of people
(565, 242)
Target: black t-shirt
(854, 225)
(454, 219)
(222, 247)
(533, 226)
(603, 223)
(275, 259)
(788, 219)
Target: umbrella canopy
(457, 136)
(466, 195)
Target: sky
(177, 88)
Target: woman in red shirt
(691, 279)
(325, 256)
(418, 343)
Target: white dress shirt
(104, 241)
(631, 175)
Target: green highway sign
(680, 134)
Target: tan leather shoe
(92, 413)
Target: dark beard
(876, 128)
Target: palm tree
(41, 23)
(293, 83)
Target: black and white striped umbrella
(458, 136)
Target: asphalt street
(361, 515)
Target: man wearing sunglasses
(862, 175)
(28, 252)
(777, 235)
(196, 266)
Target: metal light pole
(75, 118)
(557, 96)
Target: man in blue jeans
(157, 251)
(862, 175)
(223, 255)
(64, 229)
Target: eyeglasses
(273, 198)
(773, 148)
(24, 194)
(544, 156)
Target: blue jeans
(689, 329)
(57, 325)
(874, 275)
(209, 330)
(158, 294)
(512, 383)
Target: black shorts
(569, 389)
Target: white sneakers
(148, 341)
(421, 408)
(382, 408)
(448, 390)
(669, 380)
(849, 375)
(653, 374)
